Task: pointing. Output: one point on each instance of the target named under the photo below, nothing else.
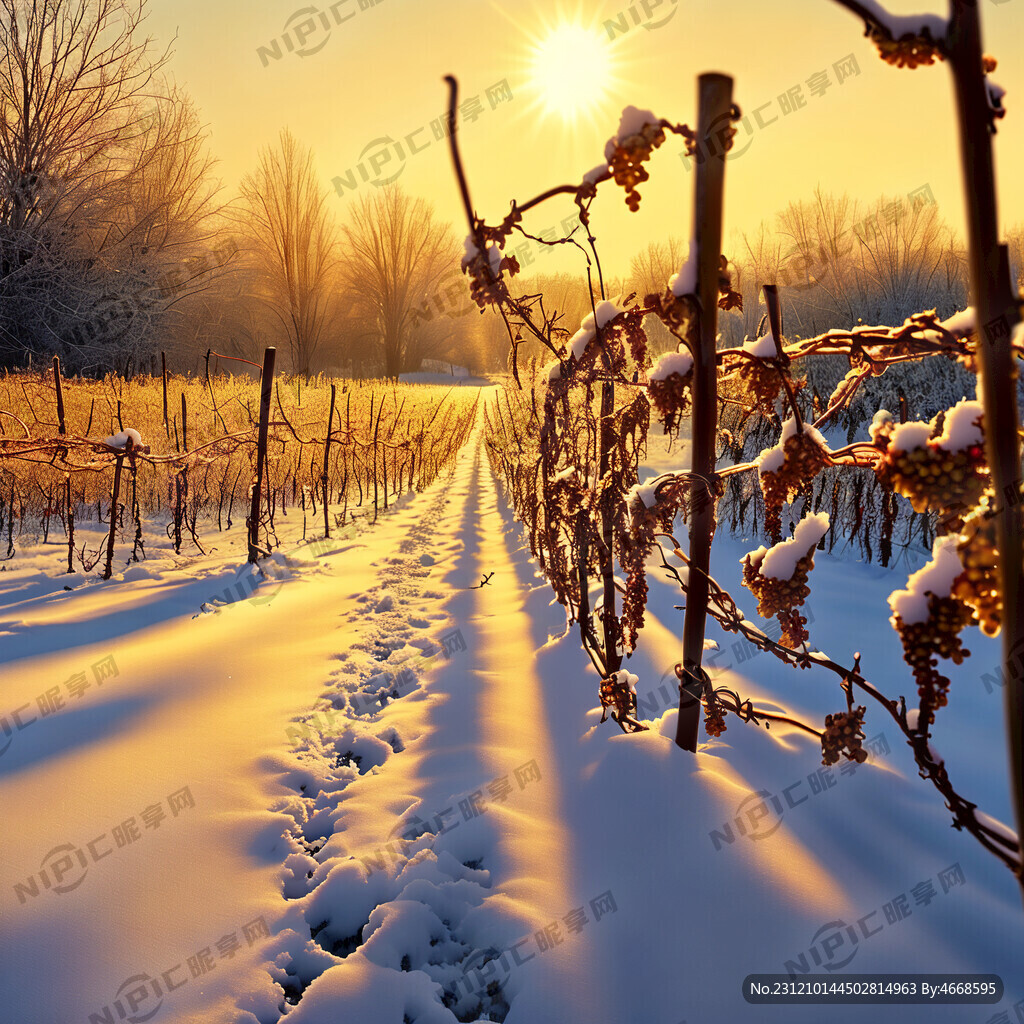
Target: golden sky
(570, 68)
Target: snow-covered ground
(384, 783)
(461, 377)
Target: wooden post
(267, 381)
(69, 509)
(163, 365)
(327, 453)
(714, 92)
(60, 396)
(375, 430)
(996, 310)
(115, 493)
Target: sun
(571, 68)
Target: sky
(551, 79)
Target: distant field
(199, 469)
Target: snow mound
(780, 561)
(763, 347)
(961, 324)
(770, 460)
(906, 437)
(937, 577)
(685, 282)
(878, 421)
(631, 123)
(962, 427)
(645, 492)
(121, 440)
(606, 311)
(669, 363)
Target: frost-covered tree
(104, 185)
(396, 255)
(293, 238)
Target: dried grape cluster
(843, 731)
(484, 279)
(774, 596)
(759, 383)
(803, 458)
(714, 718)
(925, 642)
(909, 51)
(671, 398)
(628, 156)
(617, 694)
(978, 585)
(930, 476)
(794, 631)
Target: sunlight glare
(571, 68)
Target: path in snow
(402, 821)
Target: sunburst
(572, 70)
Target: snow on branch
(905, 40)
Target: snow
(645, 491)
(120, 439)
(995, 94)
(908, 24)
(937, 577)
(996, 826)
(429, 377)
(907, 437)
(960, 324)
(961, 427)
(878, 421)
(471, 252)
(780, 561)
(595, 174)
(685, 282)
(633, 120)
(789, 430)
(606, 311)
(255, 709)
(631, 123)
(763, 347)
(771, 459)
(669, 363)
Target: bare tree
(73, 79)
(882, 262)
(293, 238)
(396, 253)
(651, 268)
(107, 204)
